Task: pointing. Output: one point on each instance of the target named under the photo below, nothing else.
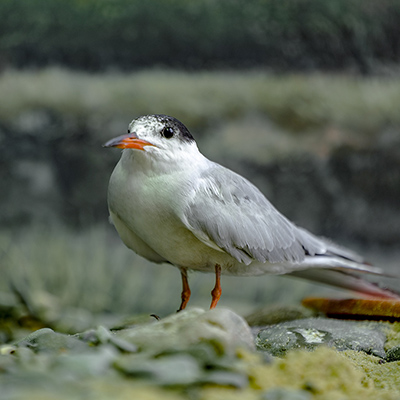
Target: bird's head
(154, 133)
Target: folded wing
(227, 212)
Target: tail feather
(346, 279)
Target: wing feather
(227, 212)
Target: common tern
(170, 204)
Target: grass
(297, 103)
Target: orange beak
(129, 141)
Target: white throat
(155, 161)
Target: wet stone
(314, 332)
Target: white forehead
(146, 125)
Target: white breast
(143, 209)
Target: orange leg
(216, 292)
(185, 290)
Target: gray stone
(102, 335)
(91, 362)
(313, 332)
(286, 394)
(172, 370)
(221, 327)
(184, 368)
(275, 314)
(46, 340)
(226, 378)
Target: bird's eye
(167, 132)
(129, 131)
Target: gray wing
(227, 212)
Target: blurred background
(301, 97)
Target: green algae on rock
(325, 373)
(384, 375)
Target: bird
(171, 204)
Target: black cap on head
(173, 123)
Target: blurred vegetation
(295, 102)
(130, 34)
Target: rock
(226, 378)
(90, 362)
(277, 313)
(133, 321)
(102, 335)
(46, 340)
(186, 367)
(173, 370)
(190, 347)
(324, 373)
(224, 329)
(314, 332)
(286, 394)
